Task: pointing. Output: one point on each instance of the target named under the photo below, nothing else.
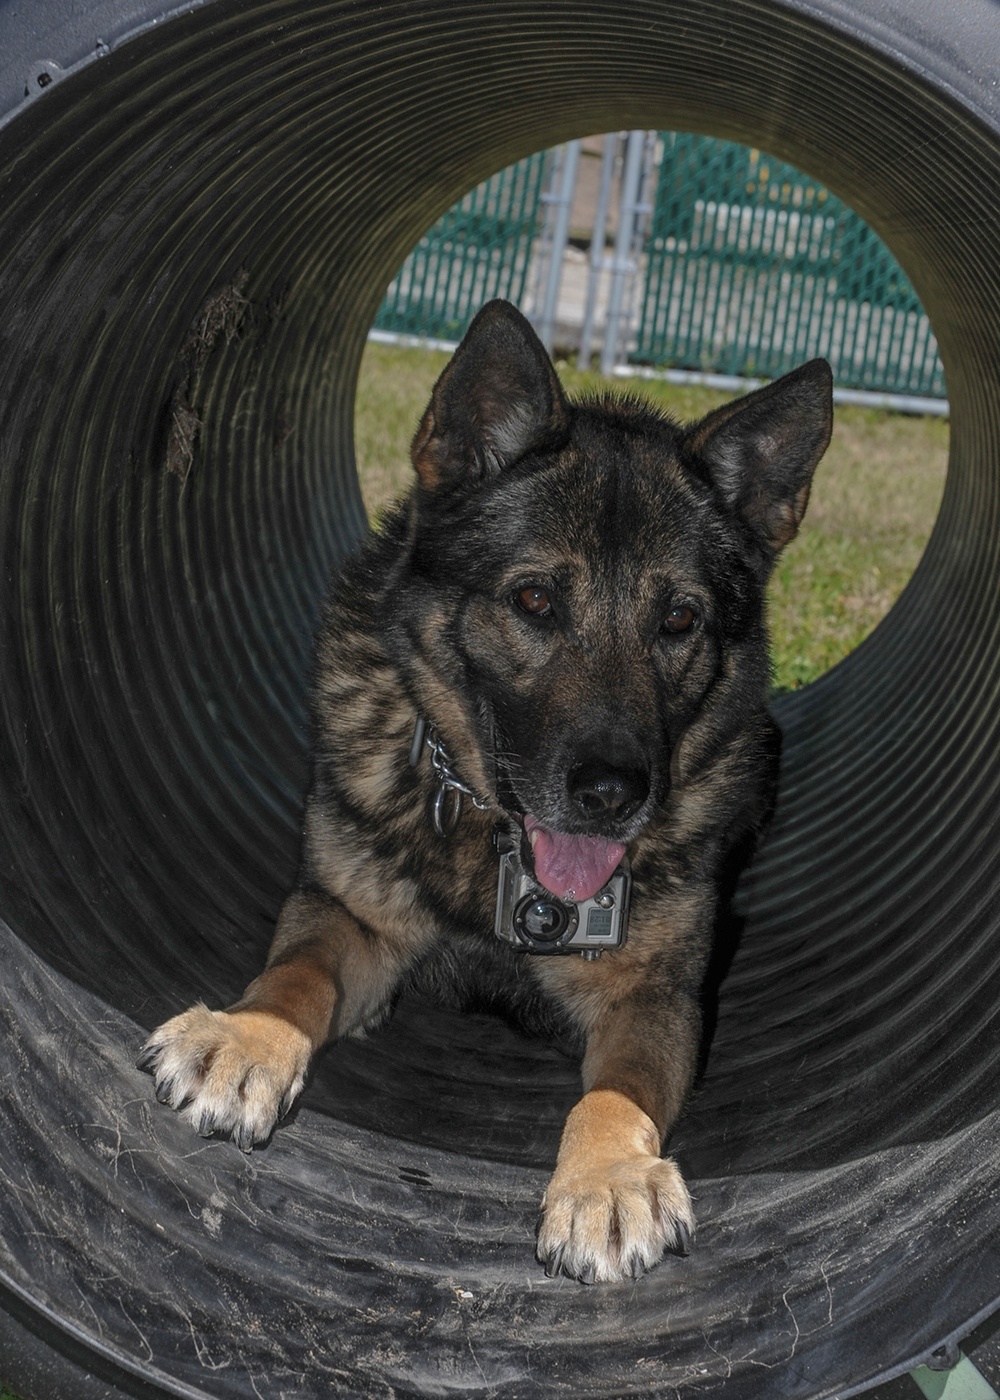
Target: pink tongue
(572, 867)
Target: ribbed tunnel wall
(198, 215)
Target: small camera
(535, 921)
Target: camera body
(534, 921)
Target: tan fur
(642, 1048)
(596, 990)
(787, 521)
(421, 454)
(348, 973)
(613, 1204)
(232, 1072)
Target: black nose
(599, 790)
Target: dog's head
(589, 577)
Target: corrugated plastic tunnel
(199, 213)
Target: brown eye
(680, 619)
(535, 601)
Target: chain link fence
(720, 260)
(751, 267)
(480, 249)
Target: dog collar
(446, 809)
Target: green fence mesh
(752, 267)
(481, 248)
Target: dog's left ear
(760, 452)
(497, 400)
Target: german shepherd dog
(565, 622)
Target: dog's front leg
(614, 1204)
(238, 1071)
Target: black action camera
(535, 921)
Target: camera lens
(541, 920)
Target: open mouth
(571, 867)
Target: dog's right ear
(497, 400)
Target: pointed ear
(760, 452)
(497, 400)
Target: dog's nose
(599, 790)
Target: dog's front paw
(603, 1224)
(232, 1072)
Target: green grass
(874, 500)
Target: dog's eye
(679, 619)
(534, 601)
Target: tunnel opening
(200, 216)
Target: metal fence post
(560, 202)
(623, 264)
(598, 257)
